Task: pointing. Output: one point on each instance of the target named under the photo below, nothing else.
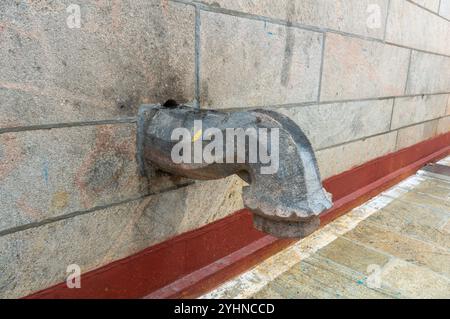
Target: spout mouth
(288, 221)
(286, 228)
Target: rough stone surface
(435, 187)
(316, 278)
(274, 65)
(353, 16)
(432, 5)
(54, 172)
(125, 54)
(404, 247)
(357, 69)
(415, 282)
(98, 238)
(412, 110)
(23, 108)
(448, 106)
(414, 27)
(443, 125)
(131, 52)
(424, 225)
(444, 9)
(428, 74)
(338, 159)
(353, 255)
(414, 134)
(330, 124)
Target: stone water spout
(285, 195)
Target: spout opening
(286, 229)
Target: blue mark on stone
(265, 28)
(360, 282)
(45, 172)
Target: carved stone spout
(284, 189)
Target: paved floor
(395, 246)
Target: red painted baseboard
(195, 262)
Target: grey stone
(412, 110)
(412, 281)
(50, 173)
(401, 246)
(443, 125)
(330, 124)
(444, 9)
(254, 63)
(353, 16)
(448, 106)
(432, 5)
(414, 134)
(338, 159)
(412, 26)
(428, 74)
(358, 69)
(125, 53)
(285, 193)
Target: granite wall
(363, 78)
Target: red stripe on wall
(195, 262)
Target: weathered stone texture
(428, 73)
(386, 240)
(352, 255)
(126, 53)
(338, 159)
(273, 65)
(448, 106)
(335, 123)
(411, 110)
(364, 17)
(444, 9)
(432, 5)
(412, 26)
(358, 69)
(49, 173)
(414, 281)
(131, 52)
(37, 258)
(414, 134)
(443, 125)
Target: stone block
(341, 158)
(49, 173)
(415, 134)
(432, 5)
(362, 17)
(412, 110)
(335, 123)
(124, 54)
(412, 26)
(428, 73)
(359, 69)
(248, 63)
(444, 9)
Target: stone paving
(397, 245)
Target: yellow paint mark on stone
(197, 135)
